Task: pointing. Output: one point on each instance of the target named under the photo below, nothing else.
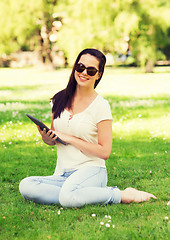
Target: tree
(87, 24)
(113, 26)
(17, 23)
(28, 25)
(116, 26)
(147, 29)
(49, 25)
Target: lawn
(140, 106)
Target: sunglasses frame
(88, 69)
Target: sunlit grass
(139, 158)
(33, 84)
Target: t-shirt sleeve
(103, 111)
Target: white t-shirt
(82, 125)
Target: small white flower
(59, 212)
(166, 218)
(155, 153)
(105, 216)
(93, 215)
(107, 225)
(140, 115)
(102, 223)
(168, 203)
(165, 151)
(109, 217)
(150, 171)
(109, 221)
(61, 208)
(113, 226)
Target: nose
(85, 71)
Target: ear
(99, 74)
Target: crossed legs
(74, 189)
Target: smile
(83, 78)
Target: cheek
(76, 75)
(94, 79)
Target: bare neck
(84, 93)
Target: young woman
(83, 120)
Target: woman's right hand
(48, 137)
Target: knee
(23, 186)
(69, 199)
(64, 199)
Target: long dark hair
(63, 99)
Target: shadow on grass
(26, 158)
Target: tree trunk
(149, 66)
(44, 33)
(44, 48)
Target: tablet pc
(42, 126)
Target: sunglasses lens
(91, 71)
(80, 68)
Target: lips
(83, 78)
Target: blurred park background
(39, 41)
(52, 32)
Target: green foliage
(152, 33)
(111, 26)
(17, 23)
(89, 24)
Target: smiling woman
(83, 120)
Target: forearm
(101, 149)
(87, 148)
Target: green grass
(140, 106)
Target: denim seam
(85, 180)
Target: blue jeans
(86, 185)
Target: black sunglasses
(91, 71)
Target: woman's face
(83, 78)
